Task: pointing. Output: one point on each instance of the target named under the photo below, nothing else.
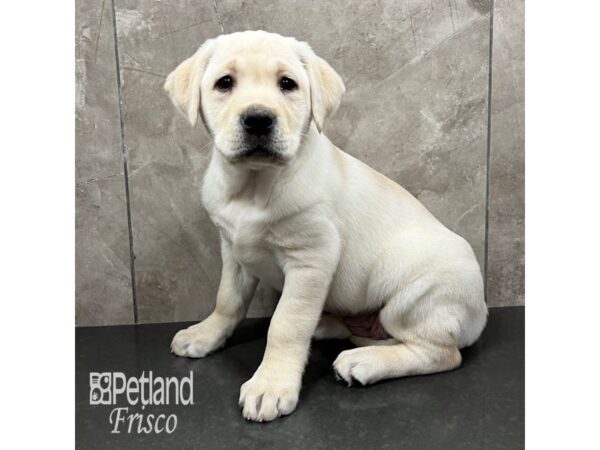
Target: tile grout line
(488, 154)
(125, 167)
(218, 16)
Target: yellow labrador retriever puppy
(333, 235)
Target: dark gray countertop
(480, 405)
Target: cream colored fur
(330, 233)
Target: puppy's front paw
(198, 340)
(264, 398)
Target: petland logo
(111, 388)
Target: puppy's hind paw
(357, 367)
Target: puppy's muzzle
(260, 139)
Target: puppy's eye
(287, 84)
(224, 84)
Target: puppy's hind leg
(367, 365)
(424, 343)
(361, 341)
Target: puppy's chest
(250, 235)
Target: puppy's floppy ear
(183, 84)
(326, 86)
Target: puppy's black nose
(258, 122)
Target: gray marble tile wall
(506, 206)
(103, 289)
(416, 109)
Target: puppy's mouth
(258, 151)
(259, 154)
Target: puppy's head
(257, 94)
